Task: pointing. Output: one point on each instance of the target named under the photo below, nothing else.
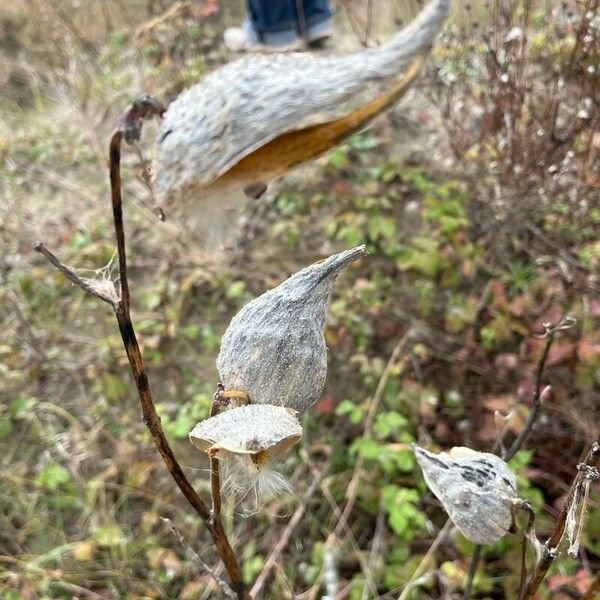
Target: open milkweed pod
(477, 490)
(249, 439)
(274, 349)
(256, 118)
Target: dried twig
(353, 486)
(218, 580)
(539, 395)
(586, 471)
(284, 538)
(215, 475)
(130, 129)
(437, 542)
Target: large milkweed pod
(256, 118)
(274, 349)
(249, 439)
(477, 490)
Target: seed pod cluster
(477, 490)
(274, 354)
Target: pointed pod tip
(336, 262)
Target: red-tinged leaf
(587, 351)
(518, 307)
(580, 581)
(341, 188)
(595, 308)
(552, 315)
(326, 405)
(561, 353)
(499, 298)
(504, 403)
(506, 362)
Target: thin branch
(587, 471)
(72, 276)
(215, 475)
(284, 538)
(218, 580)
(525, 506)
(475, 558)
(437, 542)
(540, 395)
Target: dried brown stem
(215, 475)
(129, 129)
(539, 395)
(587, 470)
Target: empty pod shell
(248, 430)
(248, 439)
(477, 490)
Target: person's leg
(272, 15)
(275, 24)
(317, 17)
(282, 15)
(315, 11)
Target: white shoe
(246, 39)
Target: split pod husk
(477, 490)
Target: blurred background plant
(478, 199)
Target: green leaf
(5, 426)
(109, 536)
(347, 407)
(21, 407)
(52, 476)
(389, 422)
(368, 449)
(380, 226)
(235, 290)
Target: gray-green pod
(274, 349)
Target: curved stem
(130, 127)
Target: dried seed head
(477, 490)
(248, 439)
(274, 349)
(261, 431)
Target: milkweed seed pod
(256, 118)
(248, 439)
(477, 490)
(274, 349)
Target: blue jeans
(281, 15)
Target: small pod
(477, 490)
(274, 349)
(248, 439)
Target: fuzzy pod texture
(477, 490)
(249, 429)
(247, 103)
(274, 349)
